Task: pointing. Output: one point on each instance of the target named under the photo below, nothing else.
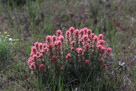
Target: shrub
(79, 58)
(6, 44)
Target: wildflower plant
(6, 44)
(79, 57)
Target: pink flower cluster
(58, 48)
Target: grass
(34, 20)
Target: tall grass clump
(77, 60)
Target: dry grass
(30, 23)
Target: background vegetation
(31, 20)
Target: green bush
(4, 51)
(6, 45)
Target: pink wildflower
(95, 38)
(59, 42)
(30, 60)
(44, 45)
(72, 48)
(42, 66)
(34, 50)
(76, 32)
(92, 35)
(40, 46)
(32, 53)
(41, 55)
(59, 32)
(89, 31)
(32, 66)
(81, 31)
(101, 42)
(36, 44)
(73, 43)
(71, 29)
(88, 40)
(109, 50)
(54, 38)
(104, 65)
(62, 68)
(100, 36)
(56, 44)
(79, 50)
(50, 46)
(35, 57)
(101, 59)
(61, 37)
(49, 38)
(68, 56)
(85, 37)
(68, 34)
(87, 61)
(54, 58)
(103, 49)
(85, 30)
(99, 46)
(42, 51)
(87, 46)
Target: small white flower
(10, 39)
